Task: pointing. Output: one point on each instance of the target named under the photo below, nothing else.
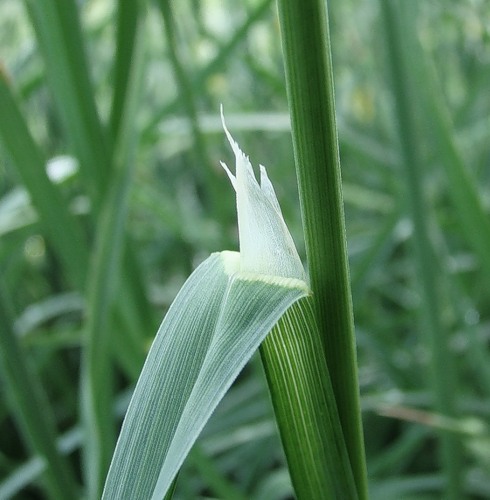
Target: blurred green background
(111, 193)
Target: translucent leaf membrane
(266, 246)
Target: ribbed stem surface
(308, 67)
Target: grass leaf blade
(214, 325)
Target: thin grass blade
(69, 242)
(33, 413)
(59, 34)
(399, 20)
(105, 275)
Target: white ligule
(266, 246)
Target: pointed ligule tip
(234, 145)
(230, 175)
(221, 112)
(232, 142)
(268, 189)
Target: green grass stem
(308, 67)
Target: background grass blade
(443, 375)
(33, 414)
(462, 185)
(204, 173)
(60, 39)
(62, 229)
(215, 66)
(219, 485)
(128, 14)
(214, 325)
(96, 378)
(308, 66)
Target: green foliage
(91, 260)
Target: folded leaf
(215, 324)
(217, 321)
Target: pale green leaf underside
(215, 324)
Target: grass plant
(393, 186)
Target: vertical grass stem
(308, 68)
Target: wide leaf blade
(217, 321)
